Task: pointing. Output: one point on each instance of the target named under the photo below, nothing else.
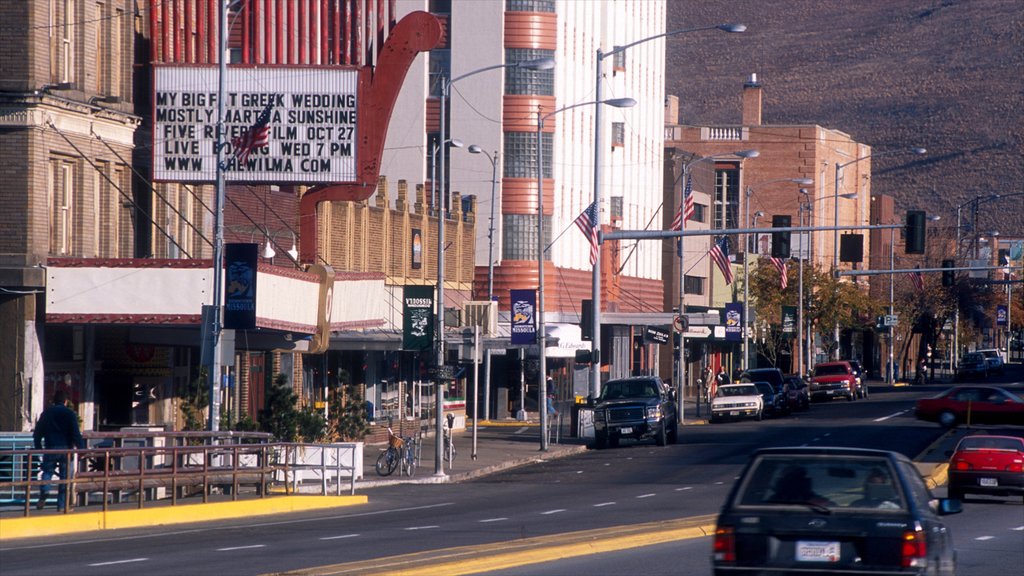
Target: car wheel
(600, 440)
(613, 441)
(850, 397)
(760, 415)
(947, 419)
(673, 436)
(712, 419)
(662, 437)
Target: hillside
(947, 75)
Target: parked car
(833, 380)
(774, 401)
(737, 401)
(797, 391)
(993, 360)
(641, 408)
(987, 464)
(858, 372)
(972, 365)
(972, 405)
(772, 376)
(823, 510)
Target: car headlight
(600, 415)
(653, 412)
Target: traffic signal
(948, 276)
(915, 231)
(587, 321)
(780, 240)
(851, 248)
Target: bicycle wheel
(411, 461)
(387, 461)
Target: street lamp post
(539, 64)
(835, 233)
(595, 343)
(542, 386)
(474, 149)
(746, 258)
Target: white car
(737, 401)
(993, 360)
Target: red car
(834, 380)
(972, 405)
(984, 464)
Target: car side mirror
(949, 506)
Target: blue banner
(1001, 314)
(524, 316)
(734, 322)
(240, 286)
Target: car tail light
(914, 551)
(962, 465)
(724, 548)
(1016, 466)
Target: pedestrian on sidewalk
(57, 429)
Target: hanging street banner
(417, 317)
(240, 286)
(1001, 314)
(789, 320)
(734, 322)
(282, 124)
(524, 316)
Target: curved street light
(494, 160)
(541, 336)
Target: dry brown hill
(947, 75)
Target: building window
(693, 285)
(700, 213)
(440, 70)
(521, 154)
(529, 5)
(102, 50)
(618, 134)
(62, 38)
(528, 82)
(727, 197)
(62, 206)
(117, 48)
(519, 237)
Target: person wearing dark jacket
(56, 429)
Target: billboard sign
(308, 134)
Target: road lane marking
(603, 504)
(1018, 529)
(555, 511)
(113, 562)
(232, 548)
(422, 527)
(884, 418)
(493, 520)
(684, 488)
(646, 495)
(340, 537)
(983, 538)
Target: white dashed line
(120, 562)
(684, 488)
(719, 483)
(646, 495)
(884, 418)
(1018, 529)
(603, 504)
(241, 548)
(493, 520)
(340, 537)
(983, 538)
(555, 511)
(421, 527)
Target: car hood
(735, 399)
(831, 379)
(627, 402)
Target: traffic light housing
(948, 276)
(915, 231)
(780, 240)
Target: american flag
(685, 211)
(720, 254)
(780, 265)
(917, 279)
(256, 136)
(587, 223)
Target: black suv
(640, 408)
(774, 377)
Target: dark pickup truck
(639, 408)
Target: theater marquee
(310, 130)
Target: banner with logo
(524, 316)
(1001, 313)
(240, 286)
(417, 317)
(734, 322)
(789, 320)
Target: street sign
(680, 323)
(698, 332)
(656, 335)
(891, 320)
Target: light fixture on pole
(805, 205)
(494, 160)
(446, 84)
(595, 283)
(541, 336)
(835, 233)
(746, 256)
(681, 357)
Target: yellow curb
(51, 525)
(502, 555)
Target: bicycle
(410, 455)
(390, 458)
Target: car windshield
(737, 390)
(629, 389)
(764, 388)
(821, 483)
(991, 443)
(829, 370)
(974, 358)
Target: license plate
(734, 413)
(809, 551)
(626, 430)
(988, 481)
